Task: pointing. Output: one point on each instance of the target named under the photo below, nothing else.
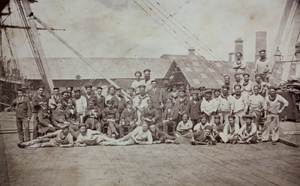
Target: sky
(121, 28)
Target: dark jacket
(173, 114)
(150, 113)
(194, 110)
(36, 103)
(154, 95)
(22, 107)
(100, 102)
(129, 116)
(119, 104)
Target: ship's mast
(38, 49)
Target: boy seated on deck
(60, 138)
(202, 122)
(140, 135)
(91, 137)
(248, 132)
(203, 137)
(217, 127)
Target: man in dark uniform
(37, 101)
(119, 100)
(100, 100)
(154, 95)
(22, 107)
(150, 114)
(89, 92)
(110, 117)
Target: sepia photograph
(149, 92)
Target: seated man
(60, 138)
(128, 118)
(59, 116)
(185, 127)
(204, 137)
(45, 120)
(150, 114)
(92, 121)
(231, 130)
(159, 136)
(169, 117)
(110, 117)
(140, 135)
(217, 127)
(202, 122)
(248, 132)
(91, 137)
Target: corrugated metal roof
(114, 68)
(200, 72)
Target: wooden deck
(163, 164)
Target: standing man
(273, 106)
(21, 105)
(164, 93)
(263, 66)
(247, 84)
(255, 103)
(100, 100)
(238, 81)
(54, 99)
(119, 101)
(140, 102)
(89, 92)
(80, 104)
(239, 104)
(37, 101)
(224, 104)
(239, 66)
(209, 105)
(194, 108)
(262, 86)
(148, 80)
(154, 95)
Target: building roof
(114, 68)
(200, 72)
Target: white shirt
(224, 104)
(239, 103)
(256, 102)
(81, 105)
(209, 106)
(262, 66)
(274, 106)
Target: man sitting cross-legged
(140, 135)
(231, 130)
(91, 137)
(185, 127)
(160, 136)
(60, 138)
(248, 132)
(128, 118)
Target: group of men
(237, 113)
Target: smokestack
(261, 43)
(191, 51)
(239, 45)
(231, 54)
